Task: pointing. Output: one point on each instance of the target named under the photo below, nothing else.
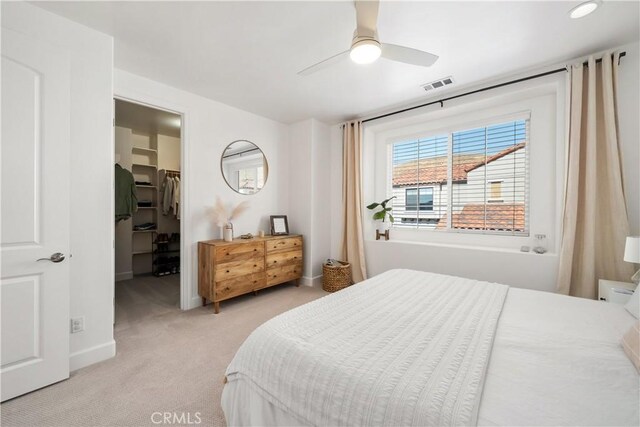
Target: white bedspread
(372, 355)
(557, 361)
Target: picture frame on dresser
(279, 225)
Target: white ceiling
(247, 54)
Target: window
(425, 202)
(250, 179)
(495, 190)
(475, 179)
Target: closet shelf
(166, 251)
(145, 231)
(144, 150)
(146, 186)
(145, 166)
(147, 207)
(141, 252)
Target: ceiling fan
(366, 48)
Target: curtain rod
(441, 101)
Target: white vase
(383, 226)
(228, 233)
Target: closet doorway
(148, 168)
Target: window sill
(460, 246)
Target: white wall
(168, 152)
(321, 197)
(91, 173)
(310, 194)
(629, 130)
(207, 128)
(300, 173)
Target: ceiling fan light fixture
(584, 9)
(365, 51)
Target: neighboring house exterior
(487, 193)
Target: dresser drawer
(286, 243)
(239, 252)
(239, 286)
(284, 274)
(229, 270)
(279, 259)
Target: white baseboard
(315, 282)
(124, 276)
(92, 355)
(194, 303)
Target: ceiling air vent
(438, 84)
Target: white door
(35, 215)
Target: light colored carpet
(167, 360)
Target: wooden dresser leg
(216, 307)
(204, 301)
(297, 283)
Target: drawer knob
(255, 250)
(227, 271)
(255, 265)
(255, 281)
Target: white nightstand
(615, 292)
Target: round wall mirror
(244, 167)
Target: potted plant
(382, 214)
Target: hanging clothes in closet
(170, 189)
(126, 198)
(176, 196)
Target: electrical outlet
(77, 324)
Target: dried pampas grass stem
(222, 216)
(238, 210)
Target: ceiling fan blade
(367, 16)
(408, 55)
(322, 64)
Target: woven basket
(336, 277)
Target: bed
(417, 348)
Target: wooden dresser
(230, 269)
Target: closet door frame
(186, 265)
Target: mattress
(555, 360)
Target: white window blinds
(419, 179)
(475, 180)
(490, 193)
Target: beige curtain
(352, 240)
(595, 222)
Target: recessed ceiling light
(583, 9)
